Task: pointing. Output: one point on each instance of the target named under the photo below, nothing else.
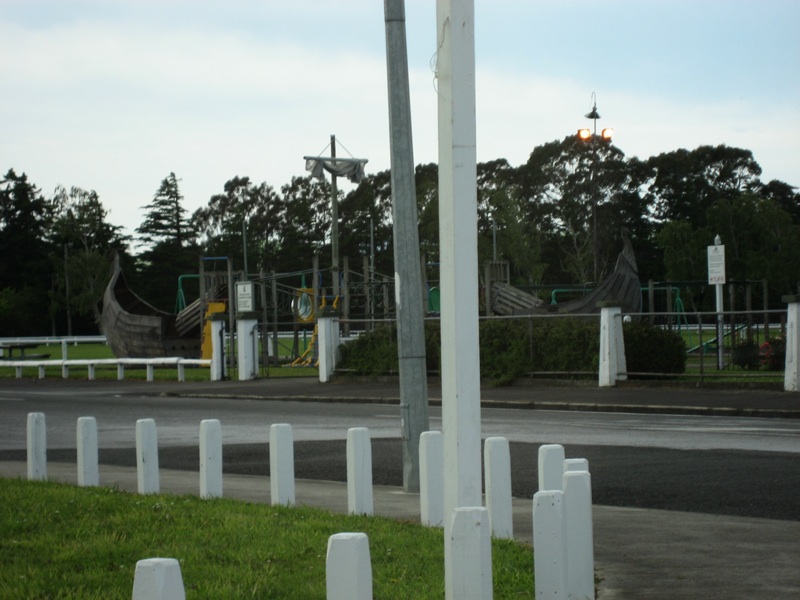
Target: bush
(745, 355)
(650, 349)
(774, 358)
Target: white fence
(91, 365)
(562, 509)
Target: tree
(84, 244)
(243, 208)
(304, 224)
(171, 250)
(25, 270)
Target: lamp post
(591, 136)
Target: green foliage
(745, 355)
(67, 542)
(774, 357)
(650, 349)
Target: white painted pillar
(359, 471)
(181, 372)
(219, 369)
(579, 535)
(497, 465)
(551, 467)
(431, 477)
(18, 372)
(88, 470)
(37, 447)
(247, 345)
(150, 372)
(158, 579)
(576, 464)
(458, 248)
(92, 373)
(120, 372)
(549, 545)
(210, 458)
(611, 344)
(147, 456)
(348, 568)
(63, 349)
(64, 371)
(41, 372)
(281, 464)
(791, 376)
(471, 547)
(328, 343)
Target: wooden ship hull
(135, 329)
(622, 286)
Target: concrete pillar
(549, 545)
(791, 376)
(551, 467)
(120, 372)
(158, 579)
(578, 534)
(471, 548)
(210, 458)
(92, 373)
(37, 447)
(64, 371)
(88, 470)
(41, 372)
(219, 369)
(359, 471)
(150, 371)
(576, 464)
(147, 456)
(611, 344)
(247, 345)
(348, 568)
(281, 464)
(431, 479)
(497, 465)
(328, 344)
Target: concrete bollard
(328, 344)
(578, 533)
(147, 456)
(471, 554)
(88, 470)
(791, 371)
(210, 458)
(359, 471)
(37, 447)
(431, 478)
(348, 568)
(551, 467)
(549, 545)
(158, 579)
(497, 464)
(576, 464)
(120, 372)
(281, 464)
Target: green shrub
(650, 349)
(774, 358)
(745, 355)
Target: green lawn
(66, 542)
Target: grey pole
(334, 225)
(408, 278)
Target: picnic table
(9, 347)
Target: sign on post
(244, 296)
(716, 265)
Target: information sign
(716, 264)
(244, 296)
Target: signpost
(716, 277)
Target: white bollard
(210, 459)
(348, 568)
(579, 536)
(328, 344)
(791, 371)
(120, 372)
(551, 467)
(281, 464)
(497, 464)
(88, 471)
(549, 546)
(431, 478)
(576, 464)
(41, 372)
(471, 554)
(147, 456)
(150, 372)
(359, 471)
(158, 579)
(37, 447)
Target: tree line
(557, 219)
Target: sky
(113, 95)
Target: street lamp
(587, 135)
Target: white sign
(716, 264)
(244, 296)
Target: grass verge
(66, 542)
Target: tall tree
(84, 243)
(25, 269)
(304, 225)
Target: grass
(100, 351)
(65, 542)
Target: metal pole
(334, 225)
(408, 275)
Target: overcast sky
(113, 95)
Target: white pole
(147, 456)
(458, 243)
(210, 458)
(88, 471)
(37, 447)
